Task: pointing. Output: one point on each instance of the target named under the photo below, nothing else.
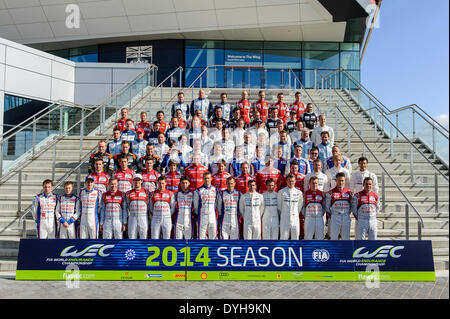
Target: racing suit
(162, 206)
(113, 215)
(323, 181)
(244, 106)
(156, 163)
(242, 182)
(257, 164)
(219, 181)
(345, 164)
(251, 206)
(150, 179)
(195, 175)
(139, 148)
(234, 167)
(262, 107)
(310, 119)
(136, 203)
(69, 211)
(100, 181)
(204, 207)
(324, 152)
(299, 181)
(131, 164)
(313, 210)
(128, 135)
(114, 147)
(183, 106)
(299, 109)
(303, 166)
(283, 111)
(338, 205)
(366, 206)
(43, 210)
(108, 162)
(183, 214)
(228, 208)
(125, 179)
(265, 174)
(331, 175)
(214, 162)
(270, 218)
(357, 179)
(90, 211)
(203, 105)
(173, 181)
(289, 204)
(145, 125)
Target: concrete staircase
(391, 222)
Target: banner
(254, 260)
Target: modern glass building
(245, 43)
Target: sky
(407, 59)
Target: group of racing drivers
(250, 170)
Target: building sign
(140, 54)
(243, 58)
(266, 260)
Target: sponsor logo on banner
(153, 276)
(90, 251)
(381, 252)
(320, 255)
(204, 275)
(130, 254)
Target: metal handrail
(392, 125)
(83, 159)
(376, 159)
(387, 111)
(59, 103)
(25, 161)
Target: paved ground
(10, 288)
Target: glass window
(278, 45)
(350, 60)
(255, 45)
(320, 46)
(243, 57)
(195, 44)
(64, 53)
(349, 46)
(84, 54)
(320, 59)
(192, 74)
(282, 58)
(202, 58)
(347, 83)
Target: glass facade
(82, 54)
(254, 64)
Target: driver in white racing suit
(184, 204)
(136, 203)
(113, 215)
(228, 207)
(251, 206)
(290, 203)
(204, 207)
(366, 206)
(162, 206)
(90, 199)
(270, 218)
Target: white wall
(37, 75)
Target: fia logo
(320, 255)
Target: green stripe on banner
(100, 275)
(225, 275)
(309, 276)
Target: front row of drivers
(207, 213)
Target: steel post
(434, 142)
(414, 123)
(411, 154)
(34, 135)
(436, 193)
(392, 142)
(19, 192)
(407, 221)
(383, 192)
(53, 162)
(396, 124)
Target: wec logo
(381, 252)
(90, 251)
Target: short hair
(363, 158)
(180, 93)
(222, 161)
(340, 174)
(143, 112)
(324, 132)
(313, 178)
(102, 141)
(98, 159)
(71, 183)
(126, 142)
(317, 160)
(172, 162)
(297, 93)
(245, 163)
(308, 104)
(294, 162)
(262, 91)
(112, 179)
(149, 158)
(47, 181)
(230, 179)
(207, 173)
(367, 179)
(222, 94)
(281, 93)
(129, 120)
(161, 178)
(337, 156)
(171, 143)
(290, 175)
(313, 149)
(251, 181)
(157, 122)
(123, 156)
(116, 129)
(159, 112)
(184, 178)
(270, 180)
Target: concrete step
(8, 264)
(400, 223)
